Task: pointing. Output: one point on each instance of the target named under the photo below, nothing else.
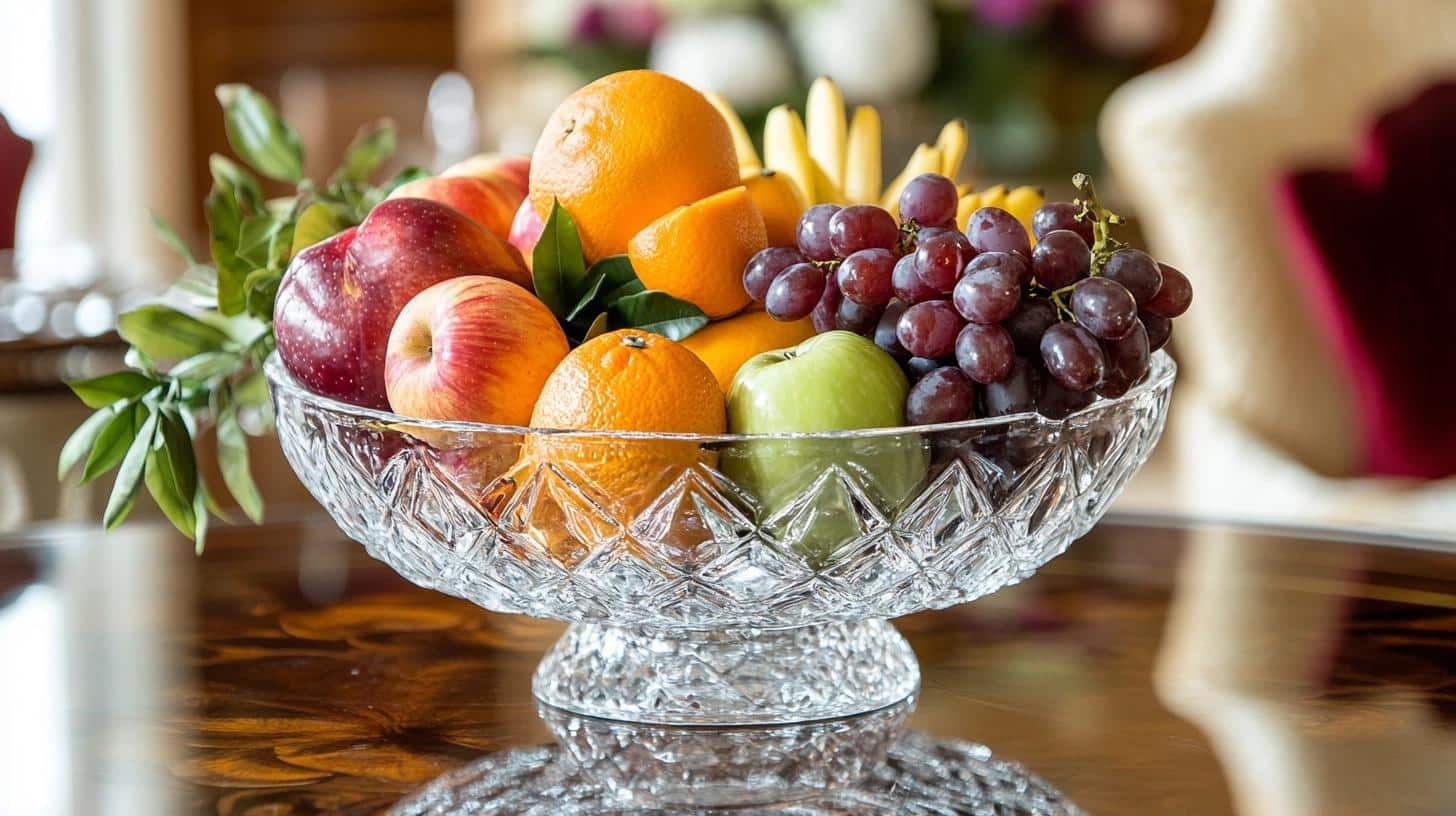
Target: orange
(587, 489)
(697, 252)
(625, 149)
(779, 201)
(727, 344)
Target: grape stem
(1102, 219)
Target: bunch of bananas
(837, 162)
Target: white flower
(875, 49)
(742, 58)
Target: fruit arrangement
(644, 270)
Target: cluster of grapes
(982, 323)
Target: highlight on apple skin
(339, 298)
(474, 349)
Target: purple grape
(814, 232)
(862, 226)
(942, 395)
(1028, 323)
(987, 295)
(885, 336)
(992, 229)
(1127, 362)
(825, 316)
(1010, 261)
(917, 367)
(1016, 393)
(795, 293)
(929, 199)
(929, 329)
(1103, 307)
(1060, 215)
(1059, 402)
(984, 353)
(1060, 259)
(1136, 271)
(1173, 297)
(765, 266)
(939, 261)
(1072, 357)
(868, 277)
(908, 285)
(1160, 329)
(857, 317)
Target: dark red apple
(339, 298)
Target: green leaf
(169, 236)
(259, 135)
(371, 146)
(260, 289)
(201, 505)
(232, 455)
(129, 475)
(224, 226)
(171, 473)
(199, 282)
(99, 392)
(205, 366)
(162, 332)
(231, 178)
(558, 268)
(598, 326)
(659, 313)
(316, 224)
(609, 274)
(82, 440)
(631, 287)
(403, 177)
(113, 442)
(254, 235)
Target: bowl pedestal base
(663, 717)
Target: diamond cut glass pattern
(731, 581)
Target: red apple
(526, 229)
(515, 169)
(490, 203)
(475, 349)
(339, 298)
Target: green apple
(836, 381)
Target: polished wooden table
(1156, 668)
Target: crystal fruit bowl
(728, 638)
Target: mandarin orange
(697, 252)
(726, 345)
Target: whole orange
(625, 149)
(697, 252)
(779, 201)
(727, 344)
(588, 488)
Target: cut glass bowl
(721, 583)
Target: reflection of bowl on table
(721, 604)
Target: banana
(952, 143)
(824, 117)
(925, 159)
(825, 190)
(786, 149)
(1023, 202)
(862, 171)
(742, 143)
(969, 203)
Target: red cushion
(15, 153)
(1375, 249)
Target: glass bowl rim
(1161, 373)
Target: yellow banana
(969, 203)
(786, 149)
(742, 143)
(925, 159)
(824, 117)
(1023, 202)
(825, 190)
(952, 143)
(862, 173)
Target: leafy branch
(195, 359)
